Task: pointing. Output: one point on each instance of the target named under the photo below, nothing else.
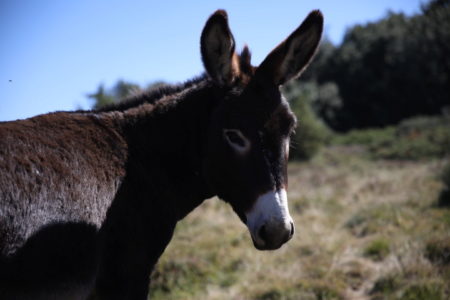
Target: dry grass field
(365, 229)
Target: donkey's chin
(273, 241)
(267, 247)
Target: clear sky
(53, 53)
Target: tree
(388, 70)
(118, 92)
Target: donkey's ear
(289, 59)
(217, 47)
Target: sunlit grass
(365, 229)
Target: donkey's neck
(166, 141)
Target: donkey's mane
(153, 95)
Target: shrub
(377, 249)
(366, 137)
(429, 291)
(416, 138)
(421, 137)
(311, 132)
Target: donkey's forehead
(255, 104)
(282, 120)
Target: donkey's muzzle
(270, 238)
(269, 221)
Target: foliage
(388, 70)
(415, 138)
(428, 291)
(103, 97)
(118, 92)
(367, 137)
(311, 132)
(377, 249)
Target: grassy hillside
(365, 229)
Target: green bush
(311, 133)
(428, 291)
(377, 249)
(420, 137)
(366, 137)
(416, 138)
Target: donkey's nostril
(292, 230)
(262, 233)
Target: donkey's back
(55, 169)
(58, 175)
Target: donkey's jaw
(269, 221)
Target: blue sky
(53, 53)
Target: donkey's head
(248, 139)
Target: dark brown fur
(89, 199)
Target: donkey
(90, 199)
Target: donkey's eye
(236, 140)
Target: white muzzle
(269, 221)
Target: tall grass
(365, 229)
